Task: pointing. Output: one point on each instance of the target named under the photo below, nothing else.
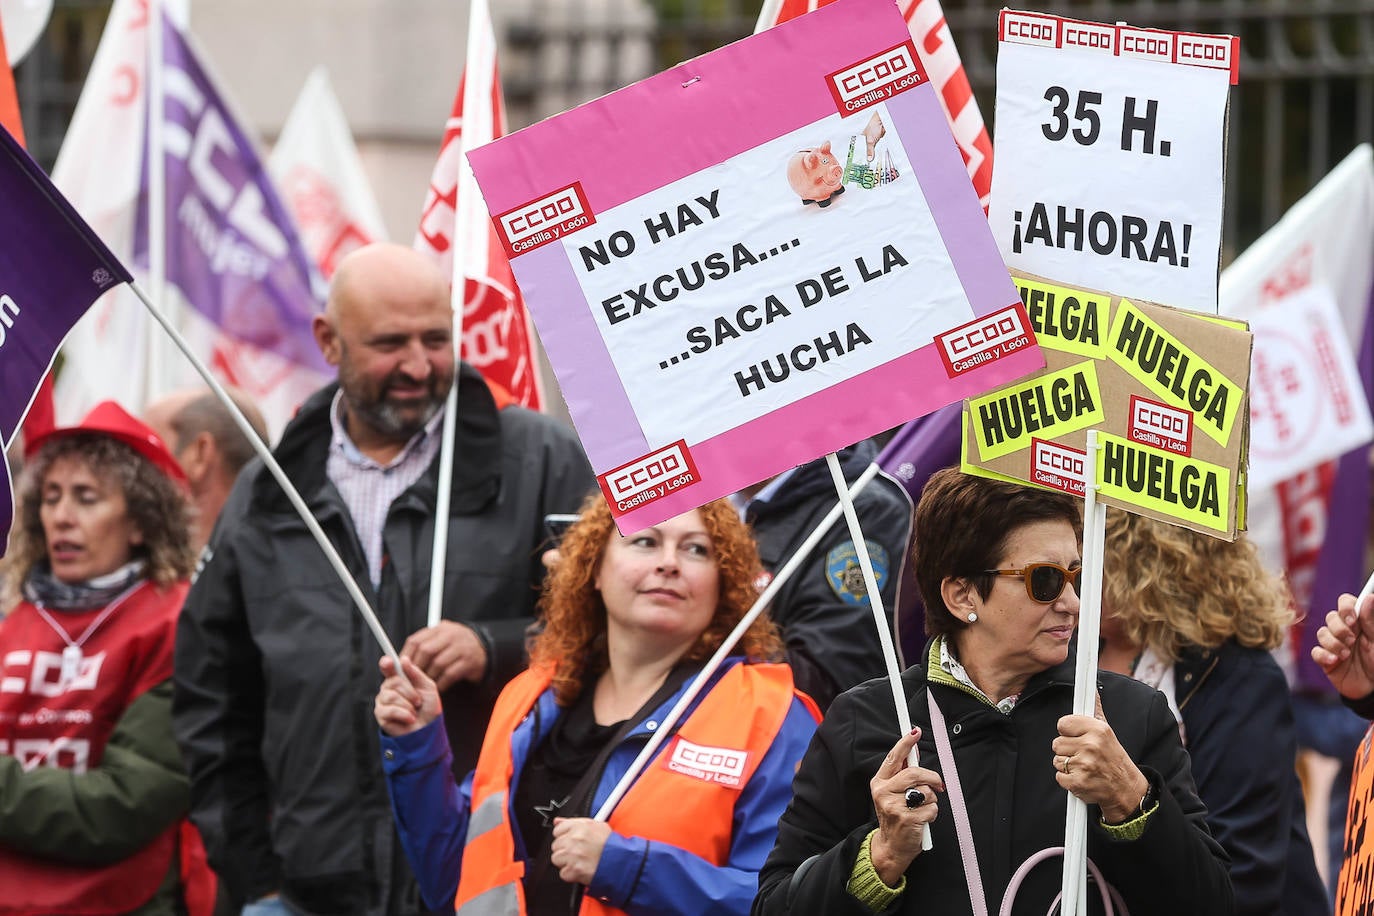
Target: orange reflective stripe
(1355, 890)
(685, 797)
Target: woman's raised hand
(1345, 648)
(900, 825)
(403, 707)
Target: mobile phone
(556, 525)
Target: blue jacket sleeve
(642, 877)
(430, 809)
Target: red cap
(109, 419)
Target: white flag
(226, 226)
(316, 165)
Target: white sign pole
(1085, 675)
(875, 601)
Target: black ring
(915, 798)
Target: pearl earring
(972, 618)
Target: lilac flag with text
(52, 268)
(919, 449)
(232, 250)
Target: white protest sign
(1306, 401)
(1112, 164)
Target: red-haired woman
(629, 620)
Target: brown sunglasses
(1044, 581)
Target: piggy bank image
(816, 175)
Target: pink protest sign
(755, 258)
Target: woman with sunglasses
(998, 566)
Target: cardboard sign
(1306, 401)
(756, 258)
(1166, 389)
(1120, 138)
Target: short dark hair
(207, 413)
(962, 527)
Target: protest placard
(754, 259)
(1166, 389)
(1119, 135)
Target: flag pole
(478, 21)
(288, 488)
(768, 15)
(154, 381)
(875, 601)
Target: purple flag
(1341, 563)
(232, 249)
(52, 268)
(919, 449)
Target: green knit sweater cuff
(866, 886)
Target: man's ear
(960, 596)
(326, 338)
(198, 456)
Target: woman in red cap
(93, 797)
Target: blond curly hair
(1170, 588)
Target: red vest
(53, 718)
(685, 797)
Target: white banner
(1113, 142)
(1306, 402)
(316, 165)
(1325, 238)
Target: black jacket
(276, 672)
(1015, 806)
(832, 641)
(1238, 723)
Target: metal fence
(1305, 99)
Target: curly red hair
(573, 642)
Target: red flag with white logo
(456, 228)
(939, 57)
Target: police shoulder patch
(845, 575)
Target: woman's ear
(960, 596)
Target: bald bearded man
(275, 671)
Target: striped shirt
(369, 488)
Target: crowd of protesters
(232, 744)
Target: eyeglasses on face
(1044, 581)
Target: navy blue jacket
(1238, 720)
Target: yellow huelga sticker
(1046, 407)
(976, 470)
(1174, 485)
(1066, 319)
(1177, 375)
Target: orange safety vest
(685, 797)
(1355, 890)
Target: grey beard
(389, 421)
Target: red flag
(497, 338)
(41, 417)
(939, 57)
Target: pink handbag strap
(972, 873)
(1112, 903)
